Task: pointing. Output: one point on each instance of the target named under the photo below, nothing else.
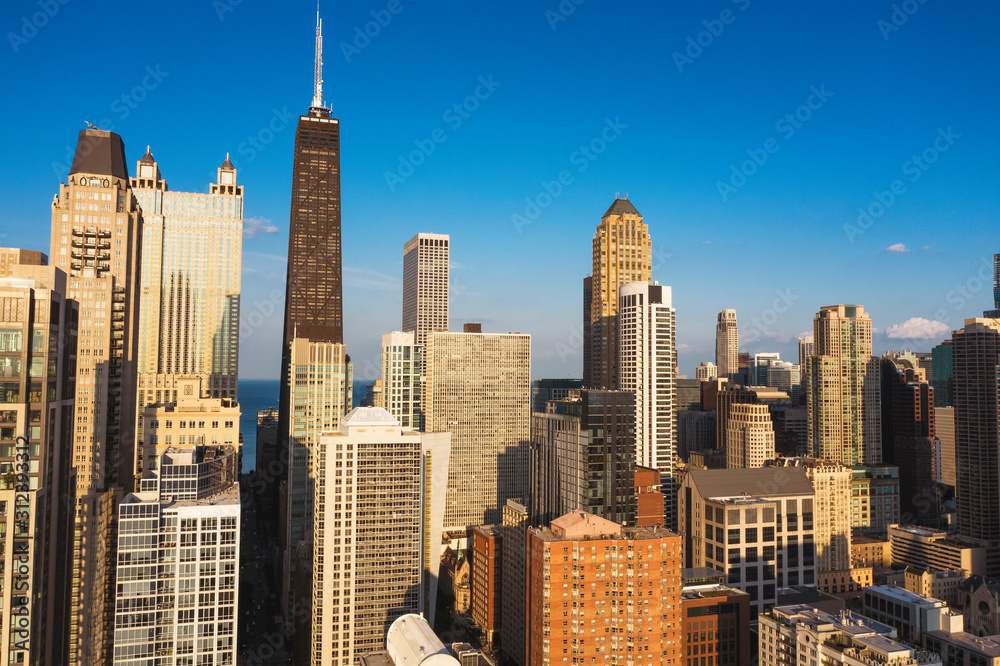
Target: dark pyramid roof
(147, 158)
(100, 152)
(621, 206)
(227, 164)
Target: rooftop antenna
(318, 71)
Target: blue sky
(747, 133)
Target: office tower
(726, 612)
(909, 437)
(695, 432)
(801, 634)
(687, 394)
(750, 436)
(944, 429)
(190, 306)
(790, 431)
(179, 561)
(588, 299)
(831, 482)
(728, 394)
(647, 361)
(193, 419)
(313, 289)
(321, 384)
(38, 341)
(630, 578)
(402, 360)
(760, 365)
(543, 390)
(487, 578)
(583, 457)
(877, 489)
(843, 388)
(706, 370)
(15, 256)
(477, 386)
(425, 285)
(512, 602)
(373, 488)
(785, 376)
(754, 525)
(622, 253)
(977, 433)
(995, 312)
(727, 345)
(97, 239)
(943, 374)
(806, 347)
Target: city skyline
(868, 112)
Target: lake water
(258, 394)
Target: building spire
(318, 73)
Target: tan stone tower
(425, 285)
(727, 346)
(622, 253)
(96, 239)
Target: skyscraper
(180, 556)
(750, 436)
(190, 304)
(648, 368)
(843, 388)
(995, 312)
(313, 290)
(588, 302)
(38, 341)
(622, 253)
(376, 499)
(727, 344)
(477, 386)
(583, 457)
(425, 285)
(96, 238)
(402, 363)
(806, 347)
(977, 433)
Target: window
(734, 536)
(751, 535)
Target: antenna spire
(318, 72)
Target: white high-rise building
(401, 367)
(750, 437)
(727, 346)
(648, 368)
(380, 497)
(706, 370)
(179, 561)
(425, 284)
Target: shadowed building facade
(425, 285)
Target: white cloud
(897, 247)
(252, 225)
(918, 328)
(926, 247)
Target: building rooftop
(411, 641)
(620, 207)
(583, 526)
(751, 483)
(904, 595)
(846, 621)
(985, 645)
(100, 152)
(708, 591)
(362, 416)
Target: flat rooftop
(986, 645)
(904, 595)
(709, 591)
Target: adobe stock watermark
(786, 126)
(900, 14)
(455, 115)
(257, 142)
(223, 7)
(761, 324)
(581, 158)
(30, 25)
(381, 19)
(563, 11)
(696, 44)
(915, 167)
(122, 106)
